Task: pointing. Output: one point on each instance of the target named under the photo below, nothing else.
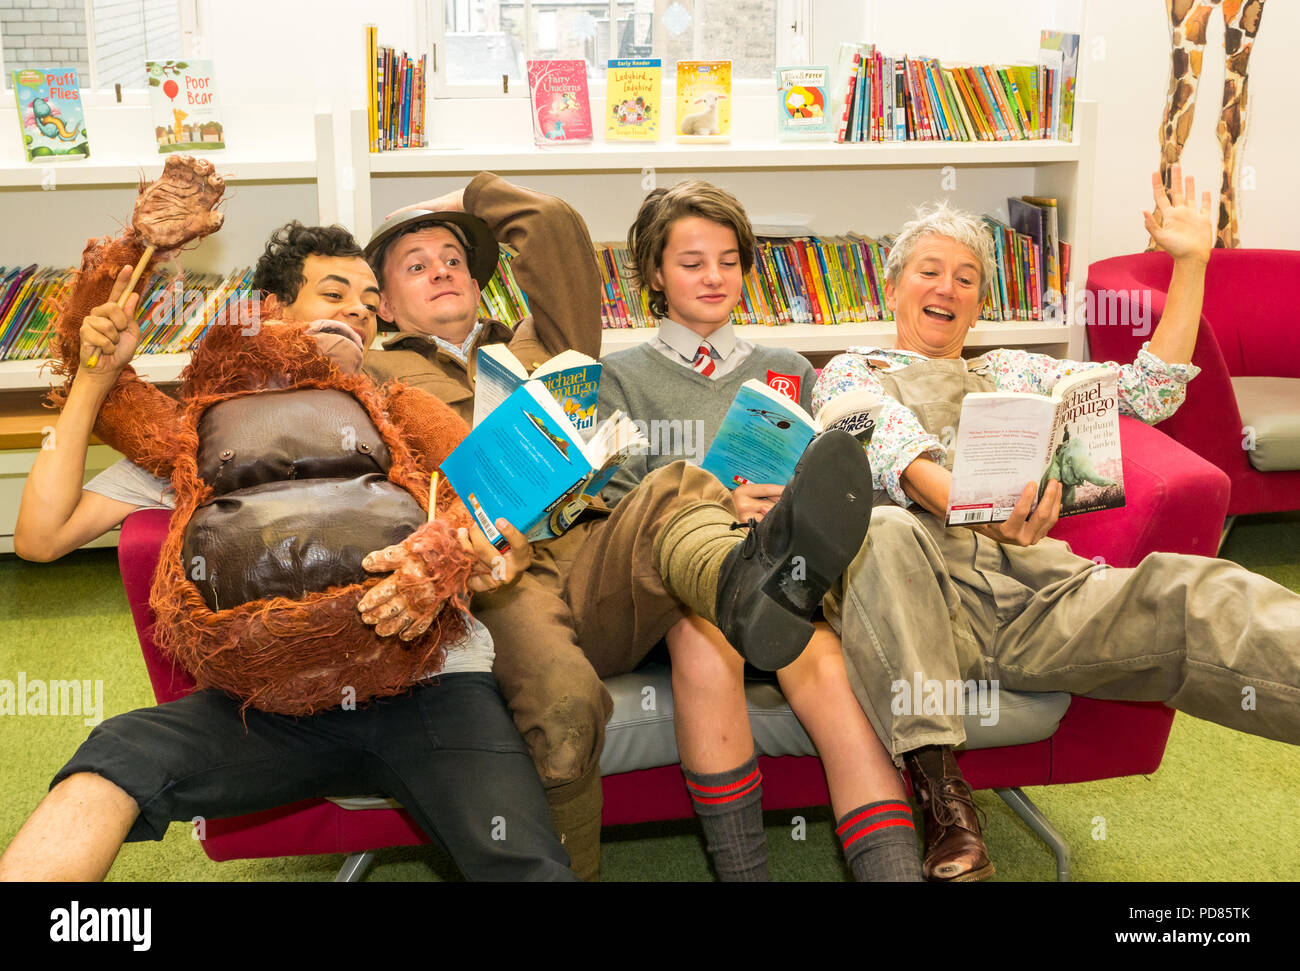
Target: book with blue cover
(572, 377)
(526, 463)
(764, 433)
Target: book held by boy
(572, 377)
(186, 115)
(527, 464)
(1007, 439)
(764, 433)
(50, 116)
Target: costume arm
(429, 427)
(135, 418)
(555, 266)
(899, 438)
(1149, 389)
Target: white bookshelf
(831, 188)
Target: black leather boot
(770, 585)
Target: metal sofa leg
(354, 868)
(1223, 537)
(1024, 807)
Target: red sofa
(1248, 330)
(1176, 503)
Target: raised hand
(1177, 225)
(178, 206)
(110, 333)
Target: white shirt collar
(686, 342)
(461, 352)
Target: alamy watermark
(951, 697)
(23, 697)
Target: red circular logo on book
(786, 384)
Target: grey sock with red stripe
(730, 807)
(880, 843)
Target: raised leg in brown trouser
(621, 604)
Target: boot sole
(827, 527)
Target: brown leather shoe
(954, 847)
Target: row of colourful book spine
(174, 311)
(396, 83)
(1020, 291)
(886, 99)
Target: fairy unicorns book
(52, 123)
(561, 106)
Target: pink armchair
(1248, 355)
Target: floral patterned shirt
(1149, 389)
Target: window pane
(576, 30)
(49, 37)
(743, 31)
(484, 41)
(130, 32)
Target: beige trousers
(1203, 636)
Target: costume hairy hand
(291, 646)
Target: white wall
(1125, 67)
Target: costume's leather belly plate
(288, 539)
(276, 436)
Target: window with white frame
(107, 41)
(484, 41)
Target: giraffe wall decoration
(1187, 28)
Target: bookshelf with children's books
(279, 164)
(833, 188)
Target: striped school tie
(703, 363)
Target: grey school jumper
(636, 380)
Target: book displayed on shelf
(633, 103)
(764, 432)
(703, 101)
(526, 463)
(1060, 51)
(572, 377)
(1006, 439)
(801, 107)
(396, 86)
(186, 113)
(561, 105)
(50, 116)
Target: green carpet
(1221, 807)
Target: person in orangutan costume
(292, 476)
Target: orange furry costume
(287, 655)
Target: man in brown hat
(616, 583)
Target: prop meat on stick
(169, 213)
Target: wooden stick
(145, 257)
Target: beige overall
(951, 604)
